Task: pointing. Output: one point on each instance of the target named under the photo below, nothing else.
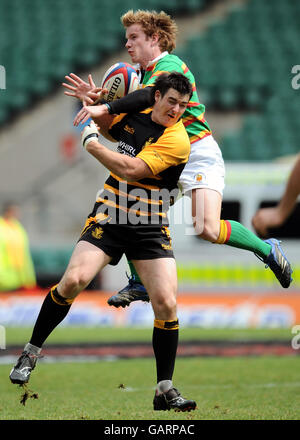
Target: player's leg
(159, 276)
(206, 208)
(85, 263)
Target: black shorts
(140, 242)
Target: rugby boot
(20, 373)
(134, 291)
(278, 263)
(172, 399)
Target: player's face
(139, 46)
(169, 108)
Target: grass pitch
(261, 388)
(233, 388)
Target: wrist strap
(109, 107)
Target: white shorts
(205, 167)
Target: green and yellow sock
(236, 235)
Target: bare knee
(208, 231)
(164, 306)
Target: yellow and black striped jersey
(164, 149)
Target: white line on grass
(229, 386)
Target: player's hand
(89, 133)
(87, 93)
(266, 218)
(89, 111)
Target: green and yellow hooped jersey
(193, 118)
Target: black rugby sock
(54, 309)
(165, 342)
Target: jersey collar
(151, 63)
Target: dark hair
(173, 80)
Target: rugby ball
(120, 79)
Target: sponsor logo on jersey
(124, 148)
(129, 129)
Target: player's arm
(126, 167)
(274, 217)
(103, 126)
(88, 93)
(133, 102)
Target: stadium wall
(213, 310)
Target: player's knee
(165, 305)
(73, 283)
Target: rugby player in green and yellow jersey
(151, 37)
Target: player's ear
(157, 95)
(155, 38)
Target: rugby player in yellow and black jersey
(132, 208)
(156, 148)
(139, 205)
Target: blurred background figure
(274, 217)
(16, 266)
